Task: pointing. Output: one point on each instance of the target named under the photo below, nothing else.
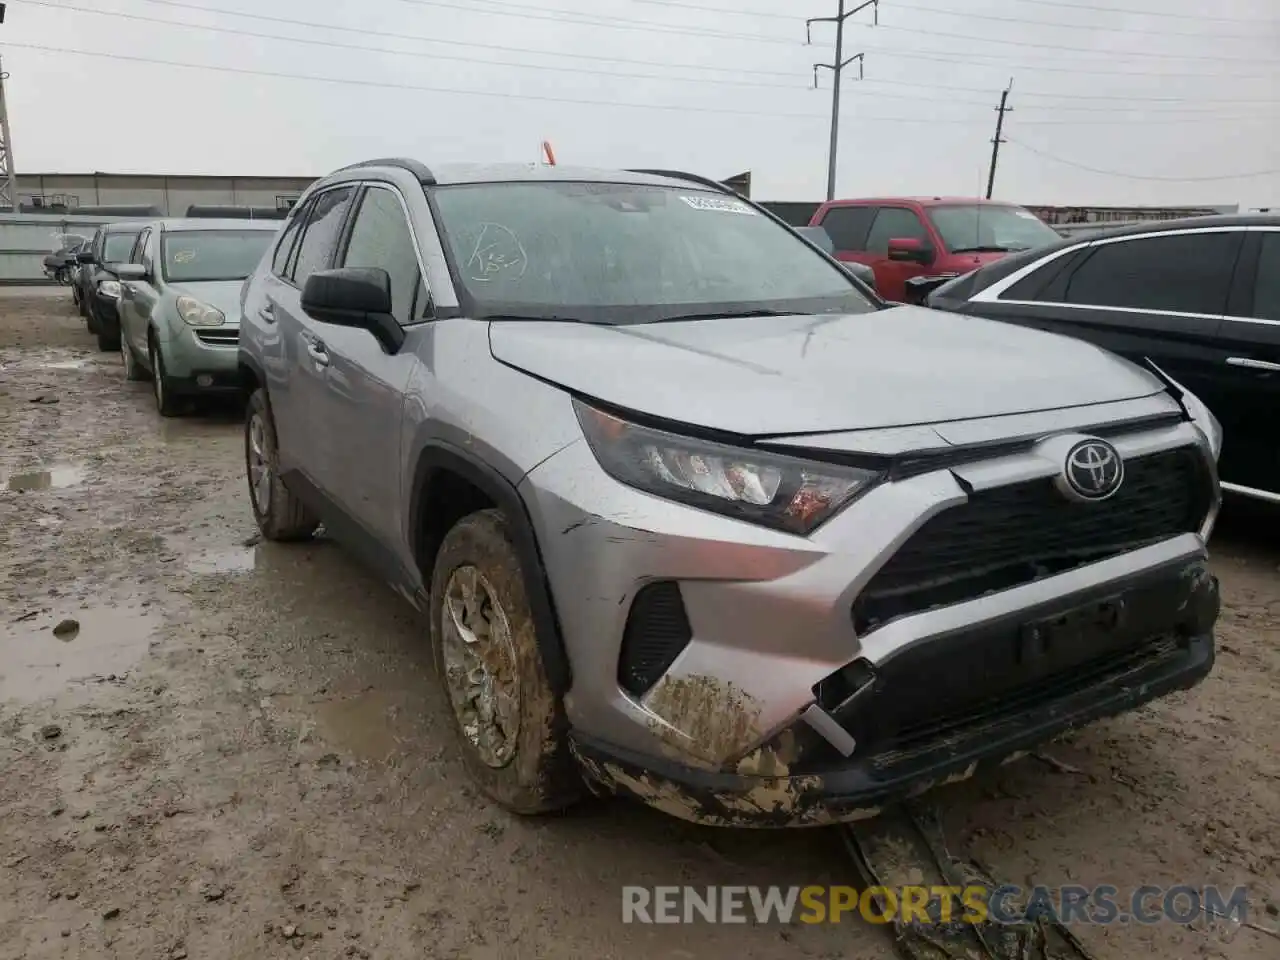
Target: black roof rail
(415, 167)
(691, 177)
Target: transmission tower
(8, 179)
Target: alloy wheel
(481, 671)
(260, 469)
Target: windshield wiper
(726, 314)
(991, 248)
(548, 318)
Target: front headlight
(768, 489)
(197, 314)
(110, 288)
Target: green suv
(180, 304)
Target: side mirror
(86, 256)
(910, 250)
(129, 271)
(357, 297)
(919, 288)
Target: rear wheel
(279, 514)
(509, 723)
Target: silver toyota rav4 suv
(696, 519)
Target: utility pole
(995, 144)
(8, 179)
(837, 69)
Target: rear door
(894, 223)
(363, 403)
(297, 391)
(1248, 402)
(1158, 295)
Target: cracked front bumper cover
(826, 790)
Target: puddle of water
(364, 724)
(53, 477)
(34, 663)
(228, 560)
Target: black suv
(98, 287)
(1200, 298)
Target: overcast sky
(1177, 99)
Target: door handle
(1253, 364)
(316, 349)
(267, 313)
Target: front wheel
(133, 370)
(510, 724)
(166, 402)
(279, 514)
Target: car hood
(771, 376)
(223, 295)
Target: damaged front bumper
(939, 712)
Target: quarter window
(280, 261)
(894, 223)
(380, 237)
(320, 237)
(848, 226)
(1266, 291)
(1186, 273)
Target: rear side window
(1266, 290)
(894, 223)
(848, 227)
(1187, 273)
(280, 260)
(320, 237)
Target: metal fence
(27, 238)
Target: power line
(930, 56)
(1074, 96)
(339, 45)
(467, 92)
(1151, 54)
(1136, 176)
(898, 5)
(531, 66)
(684, 108)
(1130, 12)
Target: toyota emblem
(1092, 470)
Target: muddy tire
(516, 748)
(106, 342)
(167, 405)
(133, 370)
(280, 515)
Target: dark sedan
(99, 287)
(1200, 298)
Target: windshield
(626, 253)
(118, 246)
(69, 241)
(990, 227)
(195, 256)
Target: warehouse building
(170, 195)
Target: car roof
(218, 223)
(922, 201)
(448, 174)
(123, 226)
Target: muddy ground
(240, 752)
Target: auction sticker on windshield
(717, 203)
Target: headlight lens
(197, 314)
(110, 288)
(784, 493)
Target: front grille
(219, 338)
(657, 631)
(1013, 535)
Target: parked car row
(695, 515)
(165, 293)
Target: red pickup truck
(903, 238)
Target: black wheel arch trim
(439, 455)
(245, 359)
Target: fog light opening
(204, 380)
(837, 691)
